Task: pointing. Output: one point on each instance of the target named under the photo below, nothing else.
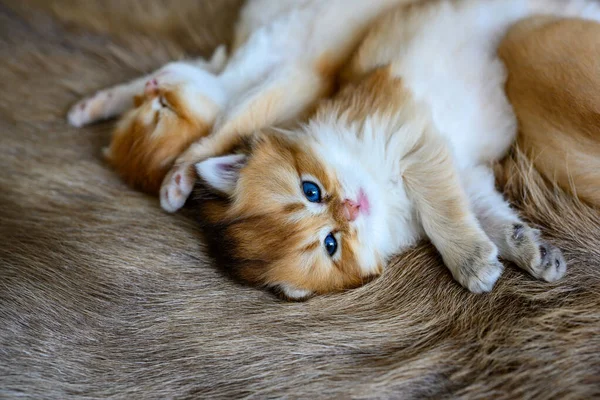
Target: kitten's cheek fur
(292, 293)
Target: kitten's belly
(450, 64)
(469, 108)
(304, 31)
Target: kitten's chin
(293, 293)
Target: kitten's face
(294, 222)
(178, 106)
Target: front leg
(106, 103)
(116, 100)
(434, 186)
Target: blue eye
(311, 191)
(330, 244)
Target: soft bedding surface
(102, 294)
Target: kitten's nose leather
(151, 88)
(351, 209)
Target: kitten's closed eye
(163, 102)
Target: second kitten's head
(178, 106)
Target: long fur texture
(103, 295)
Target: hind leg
(516, 241)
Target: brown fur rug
(104, 295)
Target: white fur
(199, 88)
(293, 292)
(365, 163)
(294, 33)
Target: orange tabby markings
(143, 150)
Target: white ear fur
(219, 59)
(222, 173)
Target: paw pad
(176, 188)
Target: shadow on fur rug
(104, 295)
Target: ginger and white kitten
(285, 57)
(554, 86)
(402, 153)
(165, 112)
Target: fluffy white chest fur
(446, 57)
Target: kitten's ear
(222, 173)
(219, 59)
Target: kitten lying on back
(554, 86)
(402, 153)
(166, 111)
(285, 57)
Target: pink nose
(151, 88)
(351, 209)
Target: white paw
(479, 270)
(89, 110)
(177, 187)
(485, 278)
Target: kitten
(165, 112)
(285, 57)
(554, 86)
(403, 152)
